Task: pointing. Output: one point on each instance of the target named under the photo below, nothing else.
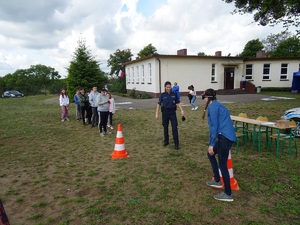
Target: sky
(47, 31)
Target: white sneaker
(67, 119)
(62, 120)
(111, 128)
(101, 135)
(196, 108)
(193, 109)
(108, 125)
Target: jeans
(78, 112)
(95, 116)
(111, 118)
(222, 148)
(193, 102)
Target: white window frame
(143, 74)
(249, 72)
(284, 74)
(213, 73)
(128, 75)
(132, 69)
(150, 73)
(266, 76)
(137, 75)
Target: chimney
(261, 54)
(182, 52)
(218, 53)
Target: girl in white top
(112, 109)
(194, 96)
(64, 103)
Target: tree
(116, 62)
(148, 50)
(273, 40)
(201, 54)
(84, 71)
(268, 12)
(251, 48)
(288, 48)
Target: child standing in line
(64, 103)
(112, 109)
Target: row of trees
(38, 79)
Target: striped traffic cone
(119, 151)
(233, 182)
(3, 216)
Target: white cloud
(47, 32)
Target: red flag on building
(121, 73)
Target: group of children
(94, 108)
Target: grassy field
(54, 172)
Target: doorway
(229, 78)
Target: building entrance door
(229, 78)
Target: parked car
(12, 94)
(293, 114)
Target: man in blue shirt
(168, 102)
(221, 138)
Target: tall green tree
(288, 48)
(273, 40)
(147, 50)
(251, 48)
(201, 54)
(116, 63)
(84, 70)
(270, 11)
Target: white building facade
(148, 74)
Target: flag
(121, 74)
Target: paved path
(129, 103)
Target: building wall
(197, 71)
(276, 78)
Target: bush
(133, 93)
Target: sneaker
(67, 119)
(101, 135)
(107, 132)
(196, 108)
(213, 183)
(111, 128)
(176, 147)
(62, 120)
(193, 109)
(108, 125)
(223, 197)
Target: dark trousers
(95, 116)
(222, 147)
(83, 111)
(89, 114)
(170, 115)
(110, 118)
(103, 121)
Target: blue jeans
(193, 102)
(222, 148)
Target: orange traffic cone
(233, 182)
(3, 217)
(119, 151)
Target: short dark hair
(167, 83)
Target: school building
(148, 74)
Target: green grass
(62, 173)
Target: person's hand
(156, 116)
(182, 113)
(211, 150)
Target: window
(248, 72)
(128, 75)
(137, 75)
(150, 73)
(266, 72)
(284, 71)
(213, 73)
(132, 69)
(143, 75)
